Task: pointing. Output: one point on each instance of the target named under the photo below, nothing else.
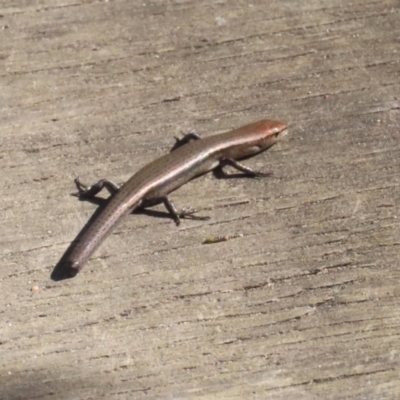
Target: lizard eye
(280, 134)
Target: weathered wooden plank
(302, 302)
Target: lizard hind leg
(85, 191)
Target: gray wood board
(302, 300)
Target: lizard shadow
(63, 269)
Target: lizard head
(255, 138)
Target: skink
(191, 156)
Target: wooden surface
(303, 300)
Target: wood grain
(303, 300)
